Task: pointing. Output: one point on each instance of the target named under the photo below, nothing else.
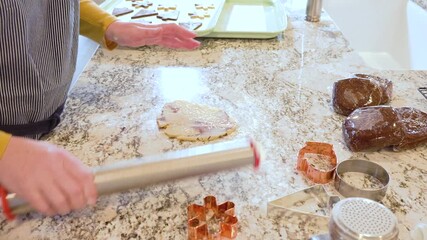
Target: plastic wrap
(360, 91)
(414, 124)
(376, 127)
(386, 86)
(372, 128)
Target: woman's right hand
(49, 178)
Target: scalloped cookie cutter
(317, 161)
(200, 220)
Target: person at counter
(38, 50)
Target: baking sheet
(258, 19)
(184, 8)
(251, 19)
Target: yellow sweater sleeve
(94, 22)
(4, 141)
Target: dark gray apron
(38, 50)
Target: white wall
(388, 34)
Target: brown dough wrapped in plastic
(386, 86)
(373, 128)
(360, 91)
(414, 124)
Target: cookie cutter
(423, 91)
(200, 220)
(325, 153)
(361, 166)
(311, 202)
(309, 209)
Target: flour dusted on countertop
(193, 122)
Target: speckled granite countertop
(278, 90)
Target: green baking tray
(261, 19)
(184, 7)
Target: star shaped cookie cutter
(212, 221)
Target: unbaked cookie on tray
(194, 122)
(195, 15)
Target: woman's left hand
(168, 35)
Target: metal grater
(361, 218)
(423, 91)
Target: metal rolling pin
(150, 170)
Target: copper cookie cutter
(212, 221)
(318, 161)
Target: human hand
(49, 178)
(168, 35)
